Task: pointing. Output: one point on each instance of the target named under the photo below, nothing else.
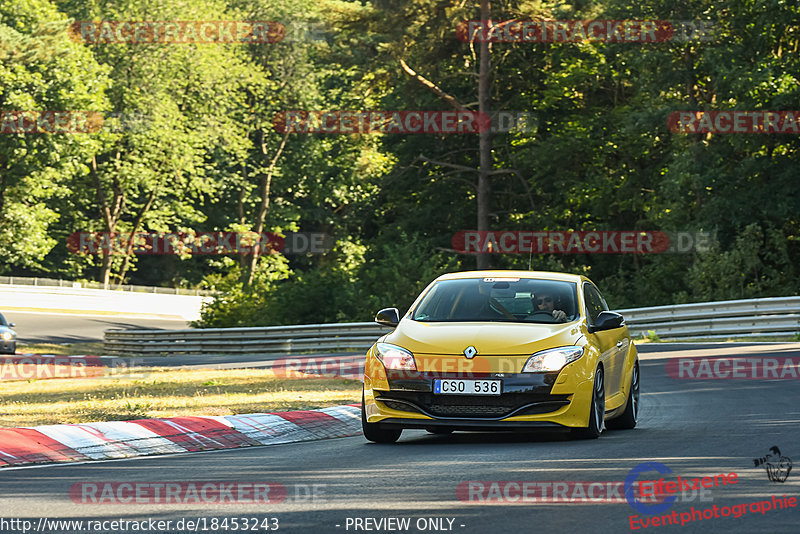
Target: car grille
(472, 406)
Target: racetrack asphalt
(696, 428)
(36, 327)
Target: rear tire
(373, 431)
(628, 419)
(598, 410)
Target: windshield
(521, 300)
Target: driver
(546, 302)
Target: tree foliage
(190, 144)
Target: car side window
(594, 302)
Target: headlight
(552, 359)
(394, 357)
(8, 336)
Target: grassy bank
(163, 392)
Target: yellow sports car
(502, 350)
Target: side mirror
(12, 324)
(607, 320)
(388, 317)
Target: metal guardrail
(250, 340)
(765, 317)
(708, 320)
(57, 282)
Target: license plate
(467, 387)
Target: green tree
(41, 70)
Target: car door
(609, 341)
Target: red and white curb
(142, 437)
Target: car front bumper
(403, 399)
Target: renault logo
(470, 352)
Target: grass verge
(164, 392)
(66, 349)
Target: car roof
(540, 275)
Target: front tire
(628, 419)
(373, 431)
(598, 410)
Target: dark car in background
(8, 338)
